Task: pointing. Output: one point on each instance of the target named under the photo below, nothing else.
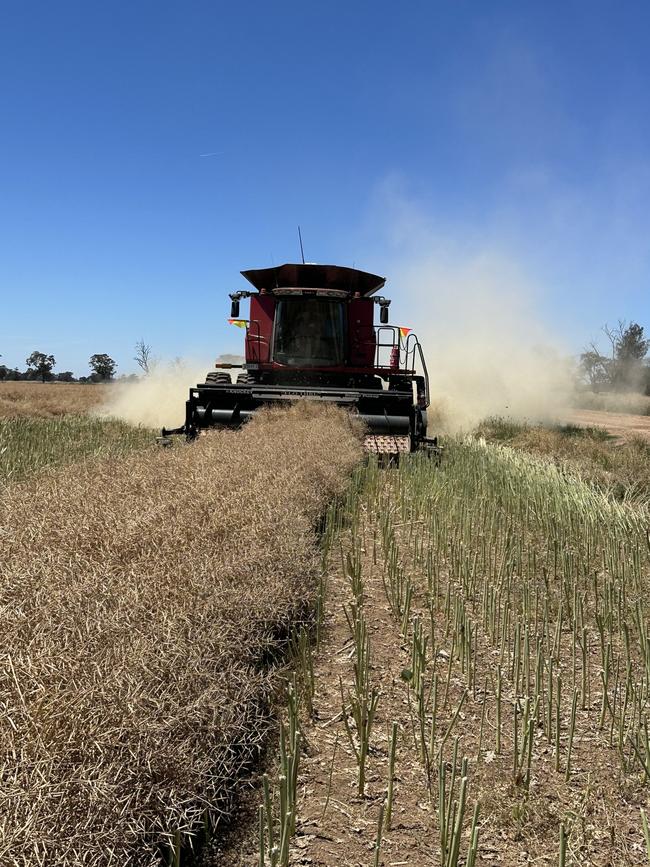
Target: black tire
(244, 379)
(218, 376)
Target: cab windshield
(309, 332)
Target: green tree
(632, 345)
(629, 348)
(102, 366)
(41, 364)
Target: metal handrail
(426, 374)
(255, 337)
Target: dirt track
(624, 426)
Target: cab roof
(308, 276)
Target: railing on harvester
(395, 352)
(401, 354)
(254, 340)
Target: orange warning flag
(405, 332)
(240, 323)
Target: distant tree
(4, 371)
(40, 365)
(65, 376)
(631, 344)
(144, 357)
(629, 348)
(103, 367)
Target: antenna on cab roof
(302, 252)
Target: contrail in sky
(211, 154)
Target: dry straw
(140, 603)
(50, 399)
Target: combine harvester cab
(311, 335)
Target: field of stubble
(468, 669)
(145, 596)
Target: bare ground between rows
(600, 808)
(338, 827)
(232, 844)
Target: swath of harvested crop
(138, 600)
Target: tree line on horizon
(626, 368)
(40, 367)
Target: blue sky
(386, 130)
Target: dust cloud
(487, 349)
(477, 315)
(158, 399)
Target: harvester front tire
(217, 377)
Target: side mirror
(234, 310)
(383, 315)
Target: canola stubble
(139, 598)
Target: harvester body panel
(259, 331)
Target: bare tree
(143, 356)
(594, 367)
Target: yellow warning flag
(405, 332)
(240, 323)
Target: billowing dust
(486, 348)
(156, 400)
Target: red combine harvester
(311, 334)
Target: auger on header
(311, 334)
